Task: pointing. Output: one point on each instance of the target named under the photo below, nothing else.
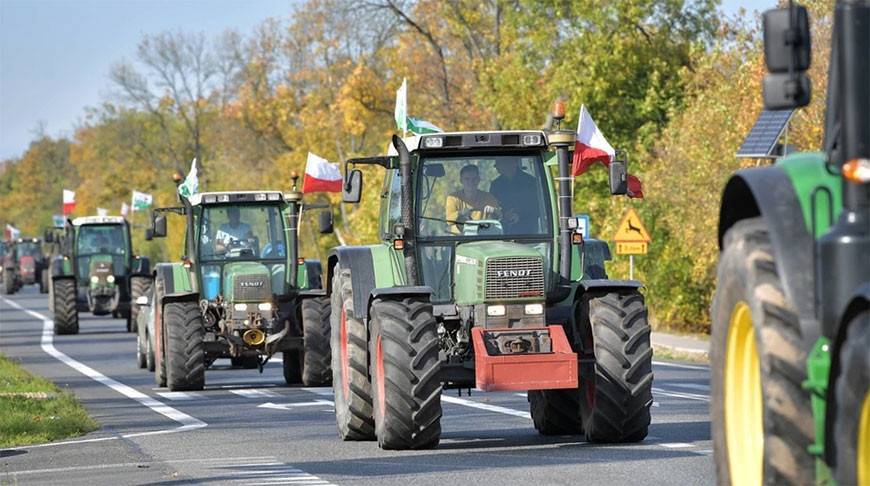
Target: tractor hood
(247, 282)
(498, 272)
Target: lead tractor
(790, 344)
(489, 289)
(240, 292)
(95, 271)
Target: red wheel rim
(379, 373)
(345, 359)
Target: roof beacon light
(433, 142)
(559, 109)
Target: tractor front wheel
(352, 389)
(316, 370)
(185, 353)
(852, 425)
(762, 420)
(404, 364)
(139, 286)
(615, 397)
(66, 317)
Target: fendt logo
(513, 273)
(251, 283)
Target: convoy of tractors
(458, 296)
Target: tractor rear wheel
(316, 370)
(616, 397)
(139, 286)
(762, 420)
(66, 317)
(185, 352)
(852, 425)
(352, 389)
(556, 412)
(404, 364)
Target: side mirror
(149, 234)
(352, 189)
(159, 230)
(142, 300)
(433, 170)
(787, 49)
(618, 178)
(324, 220)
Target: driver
(470, 203)
(511, 189)
(233, 230)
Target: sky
(55, 55)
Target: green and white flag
(58, 220)
(190, 186)
(402, 106)
(421, 127)
(141, 201)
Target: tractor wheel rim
(345, 359)
(863, 449)
(744, 425)
(379, 373)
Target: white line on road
(181, 396)
(688, 396)
(691, 386)
(254, 393)
(684, 366)
(47, 343)
(485, 406)
(288, 406)
(322, 391)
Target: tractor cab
(102, 259)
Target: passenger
(519, 216)
(470, 203)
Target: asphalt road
(249, 428)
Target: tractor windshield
(249, 232)
(28, 248)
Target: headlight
(94, 279)
(433, 142)
(110, 279)
(264, 306)
(495, 310)
(534, 309)
(240, 307)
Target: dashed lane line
(687, 396)
(181, 396)
(249, 393)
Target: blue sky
(55, 55)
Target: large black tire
(556, 412)
(66, 317)
(141, 349)
(150, 363)
(185, 352)
(292, 360)
(853, 404)
(8, 282)
(617, 394)
(352, 389)
(43, 281)
(749, 294)
(316, 370)
(139, 286)
(406, 386)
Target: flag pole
(631, 267)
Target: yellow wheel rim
(863, 459)
(744, 426)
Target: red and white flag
(69, 201)
(11, 232)
(321, 175)
(591, 147)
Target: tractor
(790, 337)
(495, 290)
(95, 271)
(240, 292)
(24, 264)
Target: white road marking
(181, 396)
(288, 406)
(688, 396)
(485, 406)
(676, 445)
(322, 391)
(240, 385)
(129, 464)
(691, 386)
(47, 343)
(677, 365)
(254, 393)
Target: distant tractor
(790, 347)
(24, 264)
(95, 272)
(490, 289)
(241, 292)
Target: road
(249, 428)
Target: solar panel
(761, 140)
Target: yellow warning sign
(631, 230)
(631, 247)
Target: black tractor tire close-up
(556, 412)
(616, 396)
(149, 352)
(748, 274)
(66, 317)
(317, 369)
(139, 286)
(185, 352)
(246, 362)
(8, 282)
(352, 389)
(141, 349)
(43, 281)
(851, 392)
(405, 369)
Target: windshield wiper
(482, 224)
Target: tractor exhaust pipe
(254, 337)
(294, 198)
(562, 140)
(409, 236)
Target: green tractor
(495, 290)
(240, 292)
(95, 272)
(790, 344)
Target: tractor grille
(514, 277)
(252, 288)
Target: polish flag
(321, 175)
(591, 147)
(69, 201)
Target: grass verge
(666, 353)
(35, 410)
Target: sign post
(631, 239)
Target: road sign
(631, 247)
(631, 229)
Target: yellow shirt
(459, 202)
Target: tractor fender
(860, 301)
(606, 284)
(307, 294)
(175, 282)
(141, 266)
(61, 268)
(358, 259)
(768, 192)
(397, 292)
